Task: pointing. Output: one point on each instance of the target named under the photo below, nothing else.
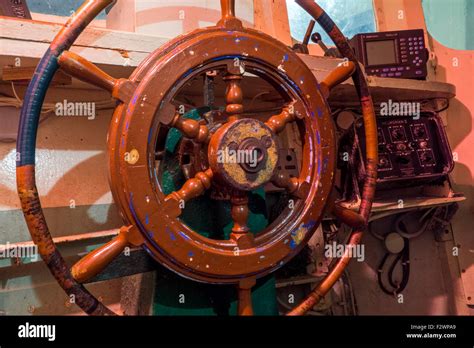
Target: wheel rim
(125, 91)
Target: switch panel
(409, 148)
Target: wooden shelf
(118, 53)
(380, 88)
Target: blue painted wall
(451, 22)
(57, 7)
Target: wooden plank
(36, 31)
(91, 237)
(12, 49)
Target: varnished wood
(337, 76)
(296, 186)
(348, 216)
(191, 128)
(94, 262)
(278, 122)
(228, 8)
(240, 213)
(80, 68)
(193, 187)
(228, 18)
(244, 307)
(233, 97)
(284, 180)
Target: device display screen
(381, 52)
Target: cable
(404, 233)
(404, 256)
(47, 108)
(351, 292)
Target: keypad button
(398, 74)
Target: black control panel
(410, 148)
(396, 54)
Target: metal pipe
(370, 125)
(26, 148)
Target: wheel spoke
(278, 122)
(94, 262)
(240, 232)
(192, 188)
(191, 129)
(337, 76)
(297, 187)
(350, 217)
(240, 213)
(234, 94)
(82, 69)
(244, 289)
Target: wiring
(404, 258)
(48, 108)
(401, 228)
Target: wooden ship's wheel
(149, 108)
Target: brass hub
(243, 153)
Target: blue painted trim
(31, 110)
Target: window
(352, 17)
(57, 7)
(451, 22)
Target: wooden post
(271, 17)
(122, 16)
